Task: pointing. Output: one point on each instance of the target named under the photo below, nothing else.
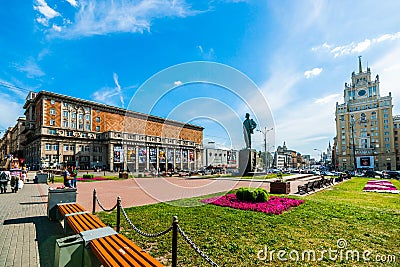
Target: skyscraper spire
(359, 64)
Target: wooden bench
(117, 250)
(108, 247)
(69, 208)
(77, 223)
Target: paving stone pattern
(27, 237)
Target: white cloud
(73, 3)
(56, 28)
(313, 72)
(31, 68)
(354, 48)
(10, 110)
(206, 54)
(177, 83)
(328, 99)
(105, 17)
(121, 98)
(43, 8)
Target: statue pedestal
(247, 161)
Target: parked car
(369, 173)
(393, 174)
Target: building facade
(215, 156)
(364, 125)
(62, 130)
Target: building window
(80, 148)
(87, 109)
(88, 117)
(52, 111)
(88, 127)
(52, 122)
(65, 104)
(386, 115)
(73, 115)
(81, 116)
(73, 125)
(72, 147)
(98, 128)
(95, 149)
(65, 113)
(52, 102)
(66, 147)
(387, 139)
(80, 126)
(65, 123)
(55, 147)
(52, 131)
(87, 148)
(48, 146)
(97, 119)
(100, 158)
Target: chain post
(94, 201)
(174, 241)
(118, 214)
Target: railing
(174, 228)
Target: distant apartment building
(63, 130)
(13, 141)
(285, 158)
(365, 138)
(216, 156)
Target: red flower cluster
(275, 205)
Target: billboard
(365, 162)
(118, 154)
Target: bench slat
(101, 248)
(84, 222)
(112, 248)
(70, 208)
(135, 251)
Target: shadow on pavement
(46, 234)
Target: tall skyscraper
(364, 125)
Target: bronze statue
(248, 126)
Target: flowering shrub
(252, 194)
(275, 205)
(380, 186)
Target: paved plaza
(27, 237)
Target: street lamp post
(264, 132)
(352, 123)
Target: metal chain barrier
(102, 207)
(193, 245)
(140, 231)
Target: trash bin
(57, 196)
(69, 251)
(41, 178)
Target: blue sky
(299, 54)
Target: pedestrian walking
(4, 178)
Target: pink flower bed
(380, 186)
(275, 205)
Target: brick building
(65, 130)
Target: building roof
(114, 109)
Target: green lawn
(367, 221)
